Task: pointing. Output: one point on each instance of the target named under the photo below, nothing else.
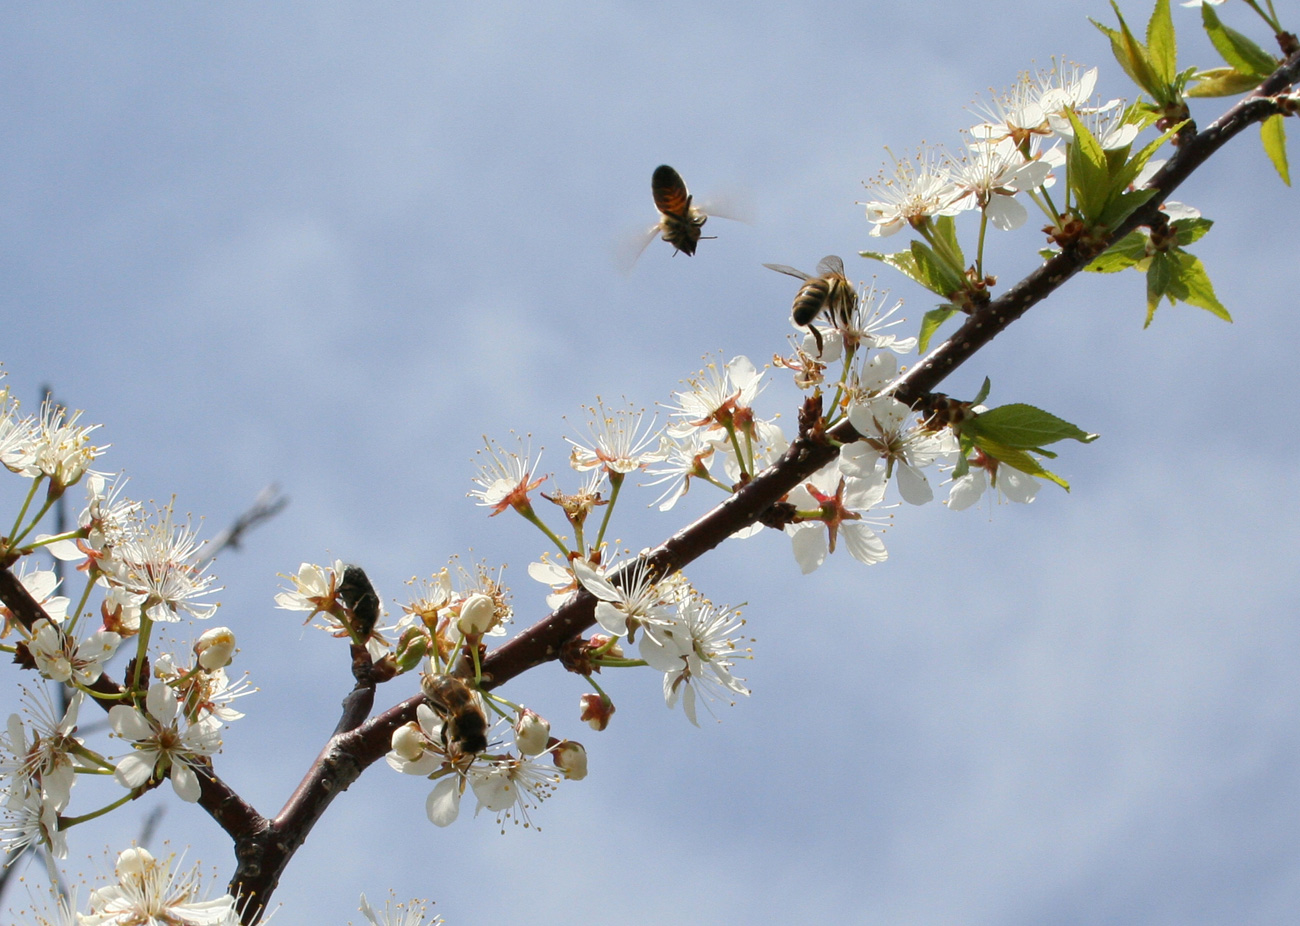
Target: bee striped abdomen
(810, 300)
(669, 191)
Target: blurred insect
(681, 222)
(829, 292)
(464, 722)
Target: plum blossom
(919, 189)
(163, 744)
(618, 444)
(149, 892)
(841, 501)
(637, 601)
(696, 653)
(906, 450)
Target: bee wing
(733, 206)
(830, 264)
(632, 247)
(782, 268)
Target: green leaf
(1142, 114)
(1132, 56)
(1236, 49)
(1159, 273)
(1121, 255)
(1018, 459)
(1187, 231)
(1122, 206)
(934, 273)
(1129, 172)
(945, 229)
(1088, 171)
(1024, 427)
(931, 323)
(1223, 82)
(1273, 133)
(985, 388)
(1160, 42)
(1191, 284)
(902, 261)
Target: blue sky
(330, 246)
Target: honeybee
(829, 292)
(681, 222)
(459, 706)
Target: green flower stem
(104, 767)
(141, 649)
(478, 666)
(22, 513)
(600, 691)
(493, 701)
(531, 516)
(615, 484)
(76, 613)
(941, 248)
(979, 251)
(66, 822)
(620, 663)
(746, 467)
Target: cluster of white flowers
(1007, 155)
(37, 771)
(505, 783)
(149, 569)
(690, 640)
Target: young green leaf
(1024, 427)
(1273, 133)
(1187, 231)
(1132, 55)
(931, 323)
(1223, 82)
(1191, 284)
(1018, 459)
(1088, 170)
(1121, 255)
(1236, 49)
(1161, 47)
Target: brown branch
(264, 853)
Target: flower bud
(600, 640)
(408, 742)
(215, 648)
(596, 710)
(571, 759)
(532, 732)
(477, 615)
(133, 861)
(411, 648)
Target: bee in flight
(681, 222)
(829, 292)
(461, 710)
